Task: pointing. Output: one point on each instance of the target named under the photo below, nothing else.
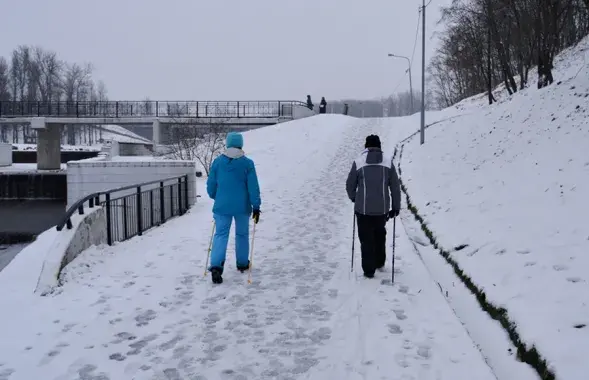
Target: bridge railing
(132, 109)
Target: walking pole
(209, 251)
(394, 235)
(353, 241)
(249, 276)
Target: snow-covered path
(143, 310)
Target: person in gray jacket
(370, 181)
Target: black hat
(372, 141)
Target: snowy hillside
(510, 182)
(143, 309)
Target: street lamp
(410, 81)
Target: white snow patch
(511, 181)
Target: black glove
(256, 216)
(393, 214)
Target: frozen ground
(511, 182)
(143, 310)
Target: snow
(28, 168)
(22, 275)
(64, 148)
(511, 181)
(144, 310)
(9, 252)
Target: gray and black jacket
(372, 177)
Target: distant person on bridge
(323, 106)
(310, 104)
(369, 182)
(233, 184)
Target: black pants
(372, 233)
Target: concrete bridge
(48, 117)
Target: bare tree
(197, 139)
(77, 82)
(50, 70)
(401, 105)
(148, 108)
(19, 73)
(197, 142)
(489, 42)
(101, 93)
(4, 80)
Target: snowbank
(37, 266)
(510, 182)
(87, 230)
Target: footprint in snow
(144, 318)
(123, 336)
(400, 314)
(394, 328)
(86, 372)
(118, 357)
(574, 280)
(424, 351)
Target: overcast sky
(229, 49)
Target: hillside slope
(142, 309)
(510, 181)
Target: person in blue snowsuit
(233, 184)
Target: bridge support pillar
(157, 133)
(49, 147)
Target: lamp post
(410, 80)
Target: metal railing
(138, 209)
(138, 109)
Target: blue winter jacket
(233, 184)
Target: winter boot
(242, 268)
(368, 275)
(216, 275)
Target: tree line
(399, 104)
(33, 73)
(492, 42)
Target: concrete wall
(5, 154)
(62, 247)
(90, 231)
(87, 177)
(127, 149)
(112, 148)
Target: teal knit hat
(234, 140)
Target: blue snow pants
(221, 239)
